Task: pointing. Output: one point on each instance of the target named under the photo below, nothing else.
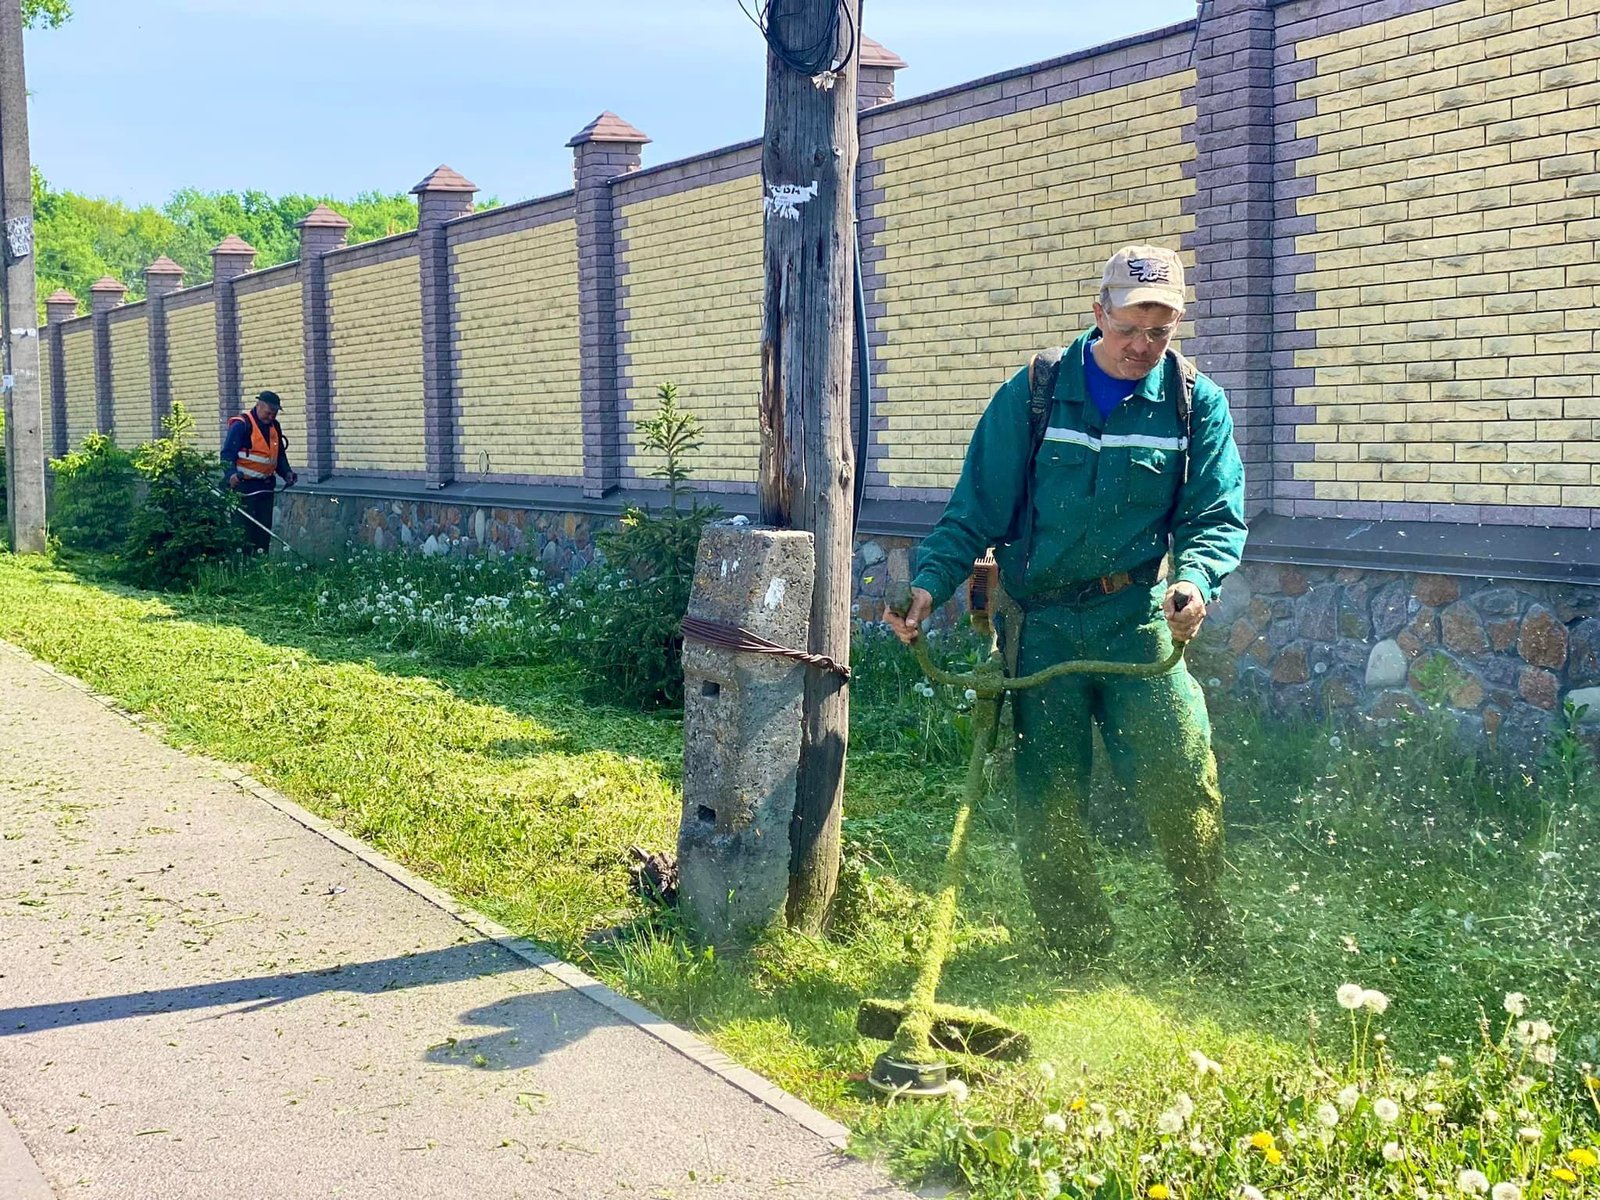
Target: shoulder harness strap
(1043, 368)
(1183, 399)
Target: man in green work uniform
(1083, 485)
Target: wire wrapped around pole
(743, 641)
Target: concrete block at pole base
(741, 730)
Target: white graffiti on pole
(783, 200)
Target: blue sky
(343, 96)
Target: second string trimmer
(920, 1029)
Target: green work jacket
(1105, 496)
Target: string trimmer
(919, 1028)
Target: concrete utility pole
(24, 414)
(808, 164)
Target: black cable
(817, 58)
(863, 375)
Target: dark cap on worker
(269, 398)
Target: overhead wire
(817, 58)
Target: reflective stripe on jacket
(258, 458)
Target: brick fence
(1388, 209)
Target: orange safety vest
(258, 458)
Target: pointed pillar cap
(443, 179)
(164, 266)
(107, 284)
(233, 244)
(876, 54)
(62, 296)
(608, 127)
(322, 217)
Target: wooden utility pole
(808, 165)
(23, 411)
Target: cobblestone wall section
(130, 380)
(1501, 655)
(375, 331)
(519, 402)
(562, 541)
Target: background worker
(254, 450)
(1083, 482)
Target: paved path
(200, 997)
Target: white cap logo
(1149, 270)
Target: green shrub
(95, 489)
(185, 519)
(619, 620)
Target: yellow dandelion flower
(1159, 1191)
(1078, 1104)
(1261, 1140)
(1583, 1157)
(1274, 1155)
(1564, 1175)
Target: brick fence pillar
(161, 279)
(321, 230)
(1233, 211)
(874, 88)
(105, 294)
(230, 258)
(442, 196)
(875, 84)
(604, 149)
(61, 307)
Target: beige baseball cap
(1144, 275)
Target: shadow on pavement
(525, 1026)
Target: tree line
(80, 238)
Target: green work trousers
(1158, 737)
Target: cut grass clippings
(1400, 865)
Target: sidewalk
(200, 997)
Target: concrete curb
(681, 1040)
(19, 1174)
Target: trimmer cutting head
(955, 1030)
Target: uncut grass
(1398, 866)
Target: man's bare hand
(909, 626)
(1183, 619)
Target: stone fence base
(1501, 655)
